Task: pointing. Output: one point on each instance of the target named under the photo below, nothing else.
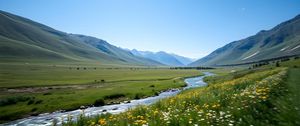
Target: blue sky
(191, 28)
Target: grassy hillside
(262, 96)
(109, 49)
(282, 40)
(21, 38)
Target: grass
(120, 83)
(291, 103)
(294, 85)
(222, 104)
(262, 96)
(27, 75)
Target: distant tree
(277, 64)
(285, 59)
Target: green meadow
(32, 88)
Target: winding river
(47, 118)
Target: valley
(41, 88)
(50, 77)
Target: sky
(192, 28)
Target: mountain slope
(162, 57)
(112, 50)
(21, 38)
(183, 60)
(282, 40)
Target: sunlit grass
(247, 100)
(128, 82)
(30, 75)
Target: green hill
(282, 40)
(22, 39)
(112, 50)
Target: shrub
(13, 100)
(33, 109)
(138, 95)
(31, 101)
(99, 102)
(48, 93)
(156, 93)
(38, 101)
(114, 96)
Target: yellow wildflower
(102, 121)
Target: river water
(47, 118)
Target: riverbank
(117, 85)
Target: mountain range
(282, 40)
(163, 57)
(23, 39)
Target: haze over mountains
(282, 40)
(163, 57)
